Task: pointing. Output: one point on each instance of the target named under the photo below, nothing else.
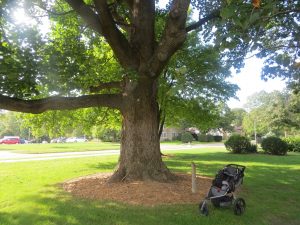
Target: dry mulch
(146, 193)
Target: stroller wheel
(203, 208)
(239, 206)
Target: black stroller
(221, 193)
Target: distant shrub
(202, 138)
(206, 138)
(177, 137)
(186, 137)
(252, 149)
(274, 146)
(293, 144)
(217, 138)
(239, 144)
(210, 138)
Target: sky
(249, 82)
(248, 79)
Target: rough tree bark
(140, 156)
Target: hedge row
(209, 138)
(271, 145)
(188, 137)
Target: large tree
(39, 75)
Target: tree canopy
(74, 49)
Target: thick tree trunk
(140, 157)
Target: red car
(10, 140)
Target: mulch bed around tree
(146, 193)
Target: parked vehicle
(58, 140)
(23, 141)
(81, 139)
(10, 140)
(76, 139)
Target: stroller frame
(224, 196)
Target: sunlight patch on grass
(60, 147)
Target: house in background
(216, 132)
(238, 129)
(170, 133)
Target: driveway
(9, 157)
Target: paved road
(9, 157)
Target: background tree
(275, 111)
(224, 123)
(11, 125)
(90, 122)
(238, 116)
(71, 68)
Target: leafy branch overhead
(129, 29)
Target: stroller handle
(237, 166)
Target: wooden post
(194, 183)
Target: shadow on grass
(269, 183)
(63, 209)
(107, 166)
(264, 199)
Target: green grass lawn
(71, 147)
(30, 193)
(60, 147)
(192, 143)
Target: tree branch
(173, 37)
(88, 15)
(161, 124)
(142, 35)
(60, 103)
(119, 20)
(213, 15)
(114, 37)
(54, 13)
(282, 12)
(110, 85)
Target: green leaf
(254, 17)
(227, 13)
